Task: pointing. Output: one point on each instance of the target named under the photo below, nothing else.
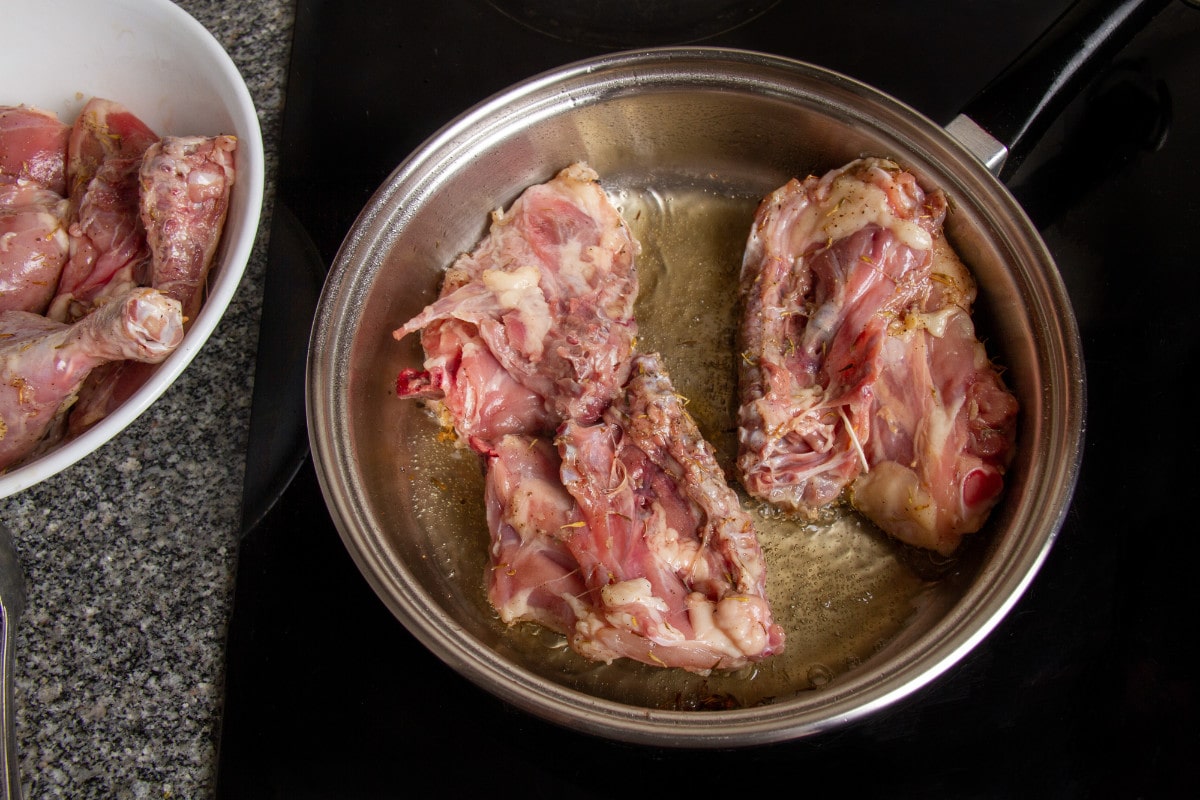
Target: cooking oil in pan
(840, 589)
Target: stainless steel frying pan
(687, 140)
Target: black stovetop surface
(1084, 690)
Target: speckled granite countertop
(129, 555)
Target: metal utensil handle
(10, 776)
(12, 604)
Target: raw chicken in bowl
(194, 121)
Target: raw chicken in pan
(532, 575)
(541, 312)
(943, 422)
(859, 360)
(672, 562)
(827, 262)
(628, 539)
(471, 390)
(610, 519)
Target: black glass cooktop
(1083, 690)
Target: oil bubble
(819, 675)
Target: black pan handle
(1019, 105)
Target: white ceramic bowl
(158, 61)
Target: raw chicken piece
(672, 562)
(474, 394)
(627, 539)
(185, 183)
(549, 295)
(828, 263)
(104, 129)
(109, 253)
(108, 246)
(862, 368)
(33, 244)
(33, 146)
(185, 187)
(532, 576)
(107, 387)
(943, 422)
(43, 362)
